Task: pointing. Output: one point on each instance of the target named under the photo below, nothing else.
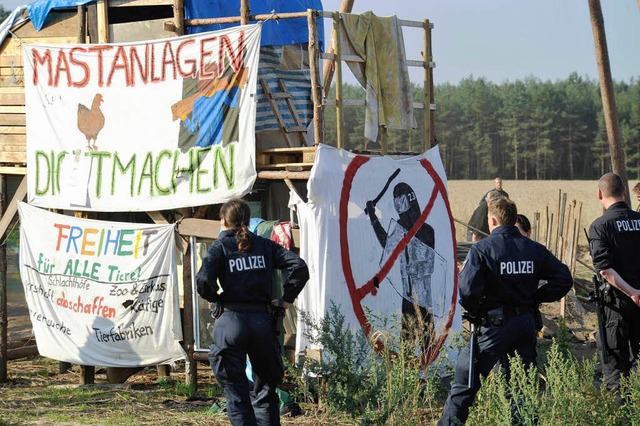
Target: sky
(504, 40)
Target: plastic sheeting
(39, 9)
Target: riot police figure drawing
(236, 276)
(416, 262)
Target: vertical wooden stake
(3, 289)
(427, 57)
(339, 122)
(191, 367)
(178, 16)
(345, 7)
(244, 12)
(103, 21)
(314, 69)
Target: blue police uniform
(499, 282)
(245, 326)
(615, 243)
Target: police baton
(599, 296)
(473, 341)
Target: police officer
(240, 264)
(615, 243)
(499, 283)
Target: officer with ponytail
(236, 276)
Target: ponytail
(236, 214)
(244, 239)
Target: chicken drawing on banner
(91, 121)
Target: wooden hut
(283, 158)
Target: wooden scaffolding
(285, 164)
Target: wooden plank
(12, 208)
(210, 229)
(12, 130)
(12, 147)
(103, 21)
(11, 90)
(201, 228)
(59, 23)
(11, 60)
(14, 99)
(295, 149)
(10, 140)
(13, 157)
(12, 109)
(12, 81)
(13, 170)
(10, 72)
(13, 120)
(297, 166)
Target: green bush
(390, 385)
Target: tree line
(526, 129)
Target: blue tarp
(39, 9)
(274, 33)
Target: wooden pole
(427, 57)
(314, 69)
(329, 65)
(4, 324)
(338, 52)
(614, 135)
(103, 21)
(82, 25)
(178, 17)
(191, 367)
(244, 12)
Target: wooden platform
(295, 159)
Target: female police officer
(242, 264)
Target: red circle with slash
(370, 287)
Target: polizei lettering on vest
(515, 267)
(628, 225)
(246, 263)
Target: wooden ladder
(273, 102)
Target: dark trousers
(516, 335)
(622, 327)
(236, 335)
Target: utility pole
(610, 110)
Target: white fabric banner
(379, 239)
(142, 126)
(100, 293)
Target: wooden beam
(338, 71)
(329, 66)
(210, 229)
(103, 21)
(235, 19)
(12, 208)
(314, 69)
(283, 174)
(178, 16)
(244, 12)
(4, 324)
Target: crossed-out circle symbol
(356, 293)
